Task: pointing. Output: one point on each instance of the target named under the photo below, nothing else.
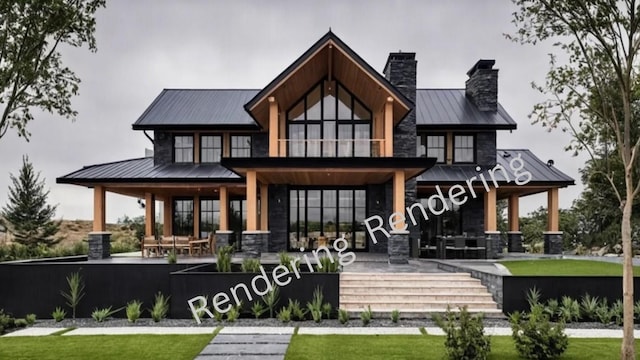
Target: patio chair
(480, 247)
(182, 243)
(149, 244)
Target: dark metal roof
(540, 172)
(450, 107)
(143, 170)
(198, 108)
(320, 43)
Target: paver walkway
(268, 344)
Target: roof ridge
(210, 89)
(440, 88)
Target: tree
(32, 75)
(27, 213)
(593, 95)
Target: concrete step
(412, 282)
(416, 298)
(423, 305)
(355, 289)
(423, 314)
(405, 276)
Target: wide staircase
(415, 295)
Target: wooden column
(490, 221)
(166, 209)
(196, 217)
(388, 127)
(224, 209)
(99, 209)
(273, 127)
(553, 212)
(252, 201)
(149, 214)
(514, 212)
(264, 207)
(398, 196)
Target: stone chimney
(400, 70)
(482, 86)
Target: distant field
(559, 267)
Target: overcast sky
(145, 46)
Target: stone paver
(359, 331)
(156, 330)
(268, 345)
(33, 332)
(257, 330)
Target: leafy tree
(593, 94)
(32, 75)
(534, 224)
(27, 213)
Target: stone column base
(99, 245)
(398, 247)
(493, 244)
(552, 242)
(222, 238)
(514, 239)
(252, 243)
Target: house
(331, 148)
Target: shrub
(366, 315)
(76, 292)
(250, 265)
(172, 256)
(327, 264)
(234, 313)
(603, 314)
(30, 318)
(536, 338)
(343, 316)
(326, 310)
(100, 315)
(58, 314)
(217, 315)
(297, 312)
(533, 296)
(617, 312)
(395, 316)
(223, 259)
(133, 310)
(636, 310)
(588, 307)
(271, 298)
(6, 322)
(465, 338)
(160, 307)
(20, 323)
(257, 309)
(284, 315)
(552, 309)
(315, 305)
(286, 260)
(569, 310)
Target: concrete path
(248, 343)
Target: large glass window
(210, 148)
(328, 122)
(463, 149)
(322, 215)
(432, 146)
(183, 216)
(209, 216)
(241, 146)
(449, 223)
(237, 219)
(183, 148)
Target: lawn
(104, 347)
(559, 267)
(348, 347)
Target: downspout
(148, 137)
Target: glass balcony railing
(332, 148)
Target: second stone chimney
(482, 86)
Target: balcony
(331, 148)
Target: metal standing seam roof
(450, 107)
(198, 107)
(540, 172)
(143, 170)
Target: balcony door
(329, 122)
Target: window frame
(173, 148)
(473, 148)
(174, 201)
(423, 139)
(232, 148)
(213, 212)
(202, 148)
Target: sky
(147, 45)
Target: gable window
(183, 148)
(329, 122)
(210, 148)
(240, 146)
(463, 149)
(432, 146)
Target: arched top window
(329, 121)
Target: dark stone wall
(482, 89)
(260, 145)
(473, 214)
(278, 217)
(162, 148)
(486, 148)
(99, 245)
(377, 206)
(553, 242)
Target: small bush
(617, 312)
(101, 315)
(366, 315)
(271, 298)
(533, 296)
(58, 314)
(552, 309)
(536, 338)
(588, 307)
(251, 265)
(284, 315)
(234, 313)
(636, 310)
(327, 264)
(315, 305)
(569, 309)
(6, 322)
(20, 323)
(395, 316)
(326, 310)
(172, 256)
(297, 312)
(465, 338)
(218, 316)
(76, 292)
(286, 260)
(257, 309)
(31, 319)
(160, 307)
(603, 314)
(223, 259)
(134, 310)
(343, 316)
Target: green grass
(349, 347)
(104, 347)
(559, 267)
